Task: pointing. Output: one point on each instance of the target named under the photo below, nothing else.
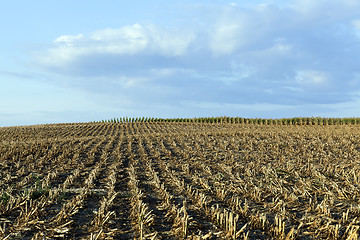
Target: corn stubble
(180, 180)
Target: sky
(81, 61)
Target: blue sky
(78, 61)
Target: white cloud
(227, 38)
(128, 40)
(239, 29)
(279, 48)
(137, 38)
(356, 26)
(294, 89)
(311, 78)
(169, 72)
(69, 39)
(235, 30)
(127, 82)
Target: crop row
(179, 181)
(241, 120)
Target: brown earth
(179, 181)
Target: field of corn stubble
(179, 180)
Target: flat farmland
(180, 180)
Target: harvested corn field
(179, 180)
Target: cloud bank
(304, 52)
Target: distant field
(199, 179)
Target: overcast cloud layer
(259, 60)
